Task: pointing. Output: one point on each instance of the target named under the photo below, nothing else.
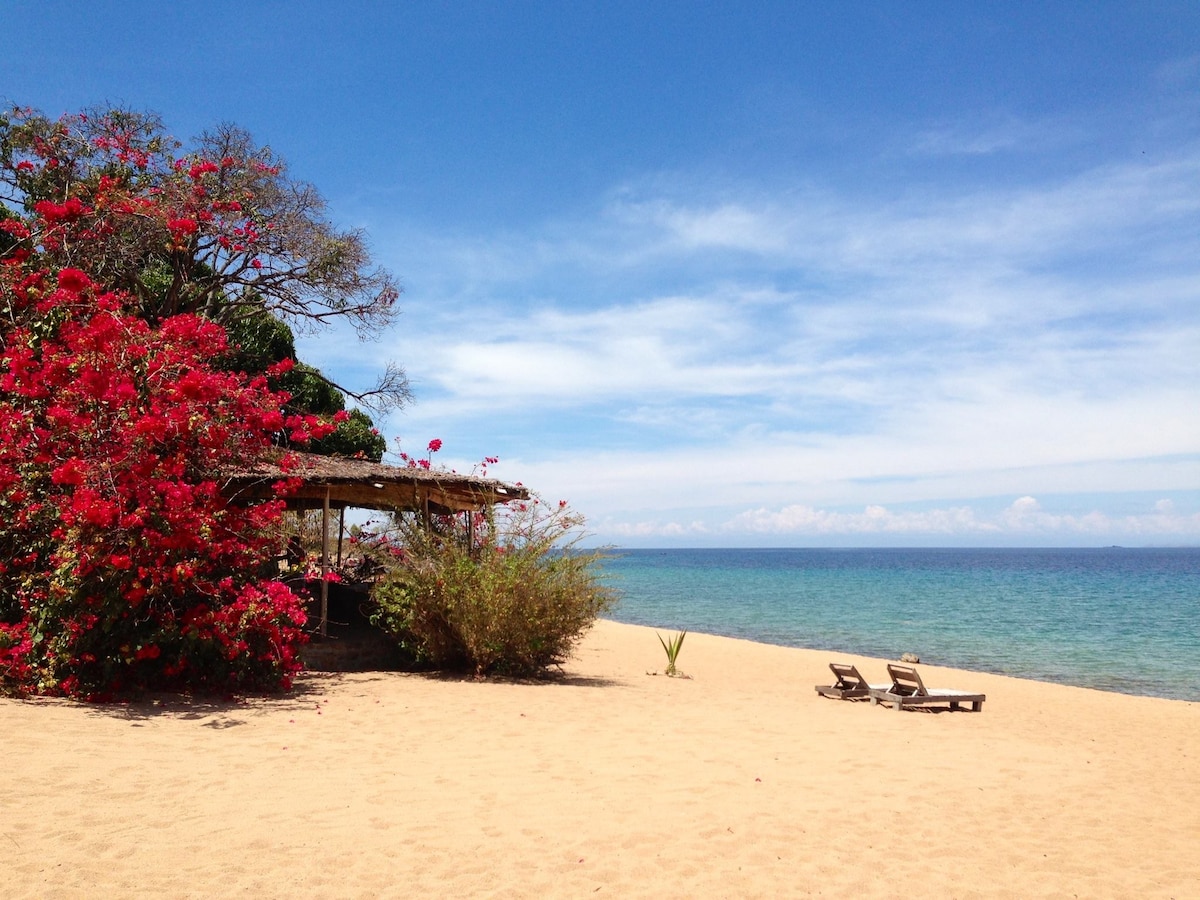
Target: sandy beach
(736, 782)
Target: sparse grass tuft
(672, 648)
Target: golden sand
(737, 782)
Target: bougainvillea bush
(223, 232)
(123, 564)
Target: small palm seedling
(672, 649)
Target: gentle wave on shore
(1115, 619)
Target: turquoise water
(1114, 619)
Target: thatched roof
(368, 485)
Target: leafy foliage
(356, 436)
(506, 591)
(260, 342)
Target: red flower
(202, 168)
(58, 212)
(435, 445)
(14, 227)
(73, 280)
(70, 472)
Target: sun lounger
(850, 685)
(907, 689)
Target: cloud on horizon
(1023, 519)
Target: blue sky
(738, 274)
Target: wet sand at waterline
(609, 782)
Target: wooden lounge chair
(908, 690)
(850, 685)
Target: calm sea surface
(1114, 619)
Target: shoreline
(836, 654)
(607, 781)
(1122, 622)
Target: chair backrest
(847, 676)
(906, 681)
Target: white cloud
(1024, 518)
(805, 520)
(779, 356)
(677, 228)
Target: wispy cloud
(991, 132)
(774, 351)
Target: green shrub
(506, 591)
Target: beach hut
(333, 483)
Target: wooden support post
(325, 565)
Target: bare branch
(391, 391)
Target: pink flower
(435, 445)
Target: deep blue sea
(1116, 619)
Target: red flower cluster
(125, 565)
(200, 206)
